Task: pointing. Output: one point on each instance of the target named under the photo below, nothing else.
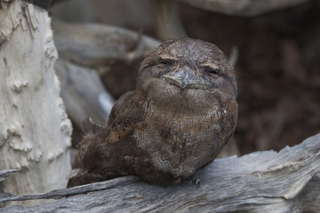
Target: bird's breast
(177, 132)
(179, 141)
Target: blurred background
(277, 59)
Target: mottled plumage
(182, 113)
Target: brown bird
(182, 113)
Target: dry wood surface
(268, 181)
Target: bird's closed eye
(211, 71)
(166, 62)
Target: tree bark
(262, 182)
(34, 128)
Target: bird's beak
(185, 79)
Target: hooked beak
(186, 79)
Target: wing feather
(124, 117)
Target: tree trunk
(34, 128)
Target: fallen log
(268, 181)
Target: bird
(177, 120)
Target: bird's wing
(124, 117)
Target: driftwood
(268, 181)
(243, 7)
(97, 45)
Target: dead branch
(100, 45)
(268, 181)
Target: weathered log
(243, 7)
(97, 45)
(269, 181)
(34, 128)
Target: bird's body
(182, 113)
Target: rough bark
(34, 128)
(243, 7)
(268, 181)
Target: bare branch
(100, 45)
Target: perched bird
(182, 113)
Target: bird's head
(187, 66)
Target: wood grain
(267, 181)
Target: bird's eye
(166, 62)
(211, 71)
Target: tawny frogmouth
(182, 113)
